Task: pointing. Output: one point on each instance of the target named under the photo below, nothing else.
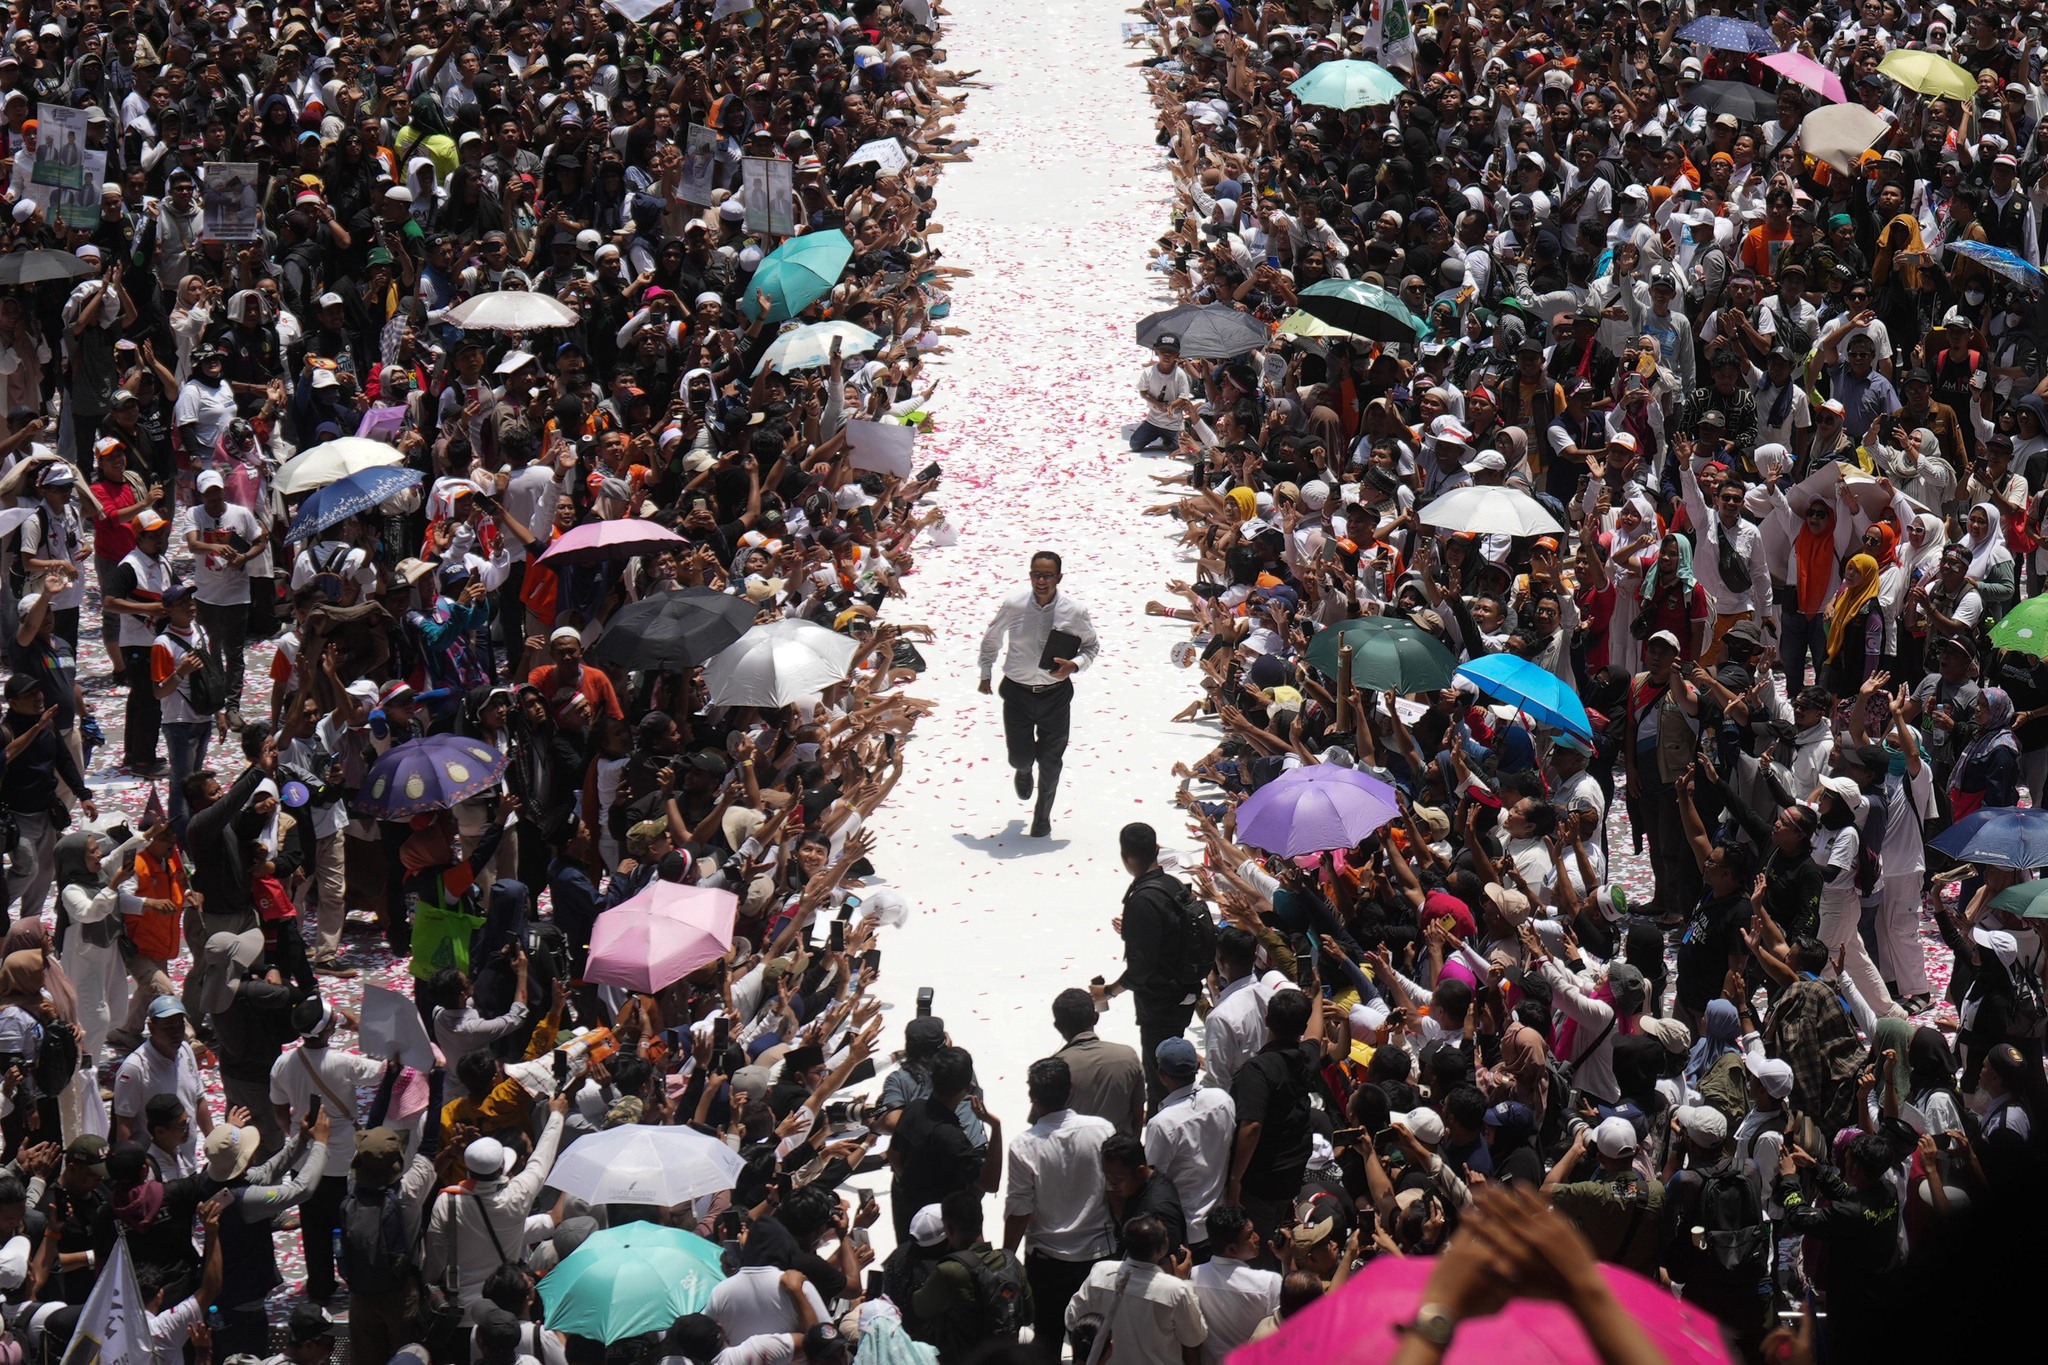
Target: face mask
(1973, 296)
(2013, 319)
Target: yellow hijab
(1881, 264)
(1859, 589)
(1247, 503)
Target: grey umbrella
(1212, 331)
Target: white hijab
(1989, 552)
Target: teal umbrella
(797, 274)
(1362, 309)
(1348, 85)
(1388, 654)
(639, 1277)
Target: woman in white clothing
(90, 905)
(1837, 847)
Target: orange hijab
(1816, 555)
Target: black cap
(310, 1322)
(1919, 377)
(824, 1342)
(1712, 418)
(1167, 341)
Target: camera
(855, 1112)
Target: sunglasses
(1816, 514)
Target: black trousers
(1154, 1028)
(1053, 1284)
(228, 628)
(319, 1216)
(141, 725)
(1035, 726)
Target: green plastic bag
(441, 938)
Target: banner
(700, 166)
(768, 190)
(60, 147)
(887, 154)
(228, 197)
(881, 447)
(1390, 35)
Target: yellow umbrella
(1305, 325)
(1928, 74)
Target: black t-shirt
(2025, 680)
(938, 1159)
(1272, 1090)
(1710, 937)
(1792, 885)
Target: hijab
(1892, 1035)
(1685, 578)
(71, 868)
(1927, 559)
(1859, 590)
(1719, 1029)
(1887, 544)
(1815, 552)
(21, 979)
(1933, 1067)
(1987, 552)
(1522, 1057)
(1996, 735)
(1247, 502)
(33, 936)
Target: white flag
(1390, 35)
(114, 1328)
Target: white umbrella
(775, 664)
(1840, 134)
(1491, 510)
(511, 310)
(805, 348)
(331, 460)
(637, 1163)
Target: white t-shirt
(1161, 391)
(210, 409)
(751, 1304)
(219, 584)
(146, 1072)
(291, 1082)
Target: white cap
(328, 300)
(1314, 494)
(1614, 1138)
(324, 378)
(1664, 637)
(590, 239)
(1773, 1075)
(210, 478)
(485, 1157)
(1486, 460)
(927, 1226)
(1703, 1124)
(399, 194)
(1847, 792)
(1424, 1124)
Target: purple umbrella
(596, 542)
(1315, 808)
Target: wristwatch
(1434, 1323)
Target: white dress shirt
(1236, 1029)
(1235, 1299)
(1055, 1169)
(1027, 625)
(1152, 1321)
(751, 1303)
(1188, 1141)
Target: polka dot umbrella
(434, 773)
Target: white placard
(881, 447)
(887, 154)
(768, 190)
(639, 11)
(700, 166)
(391, 1028)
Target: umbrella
(336, 459)
(775, 664)
(346, 496)
(2028, 900)
(1749, 103)
(511, 310)
(1728, 35)
(1213, 331)
(1348, 84)
(797, 274)
(1543, 696)
(670, 631)
(1840, 134)
(1801, 69)
(1928, 74)
(628, 1280)
(806, 348)
(599, 542)
(1388, 654)
(1312, 809)
(2024, 628)
(1491, 509)
(1363, 309)
(655, 939)
(2002, 836)
(1361, 1324)
(2003, 261)
(38, 267)
(427, 774)
(640, 1164)
(1308, 325)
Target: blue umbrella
(2002, 836)
(1544, 697)
(2004, 261)
(428, 774)
(1729, 35)
(342, 499)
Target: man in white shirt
(1056, 1197)
(1188, 1140)
(224, 538)
(163, 1065)
(312, 1072)
(1234, 1297)
(1152, 1315)
(1236, 1027)
(1730, 601)
(1038, 691)
(761, 1300)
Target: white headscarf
(1927, 559)
(1989, 552)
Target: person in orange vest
(155, 928)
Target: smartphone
(721, 1037)
(866, 516)
(929, 472)
(872, 960)
(848, 906)
(313, 1110)
(924, 1002)
(836, 935)
(731, 1255)
(876, 1287)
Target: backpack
(206, 690)
(328, 581)
(999, 1290)
(2029, 1010)
(1738, 1239)
(1195, 957)
(375, 1257)
(57, 1058)
(1869, 849)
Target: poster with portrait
(64, 175)
(228, 197)
(768, 191)
(700, 166)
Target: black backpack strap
(1598, 1039)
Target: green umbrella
(1387, 655)
(2028, 900)
(1348, 85)
(639, 1277)
(797, 274)
(2025, 628)
(1362, 309)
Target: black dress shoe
(1023, 784)
(1041, 827)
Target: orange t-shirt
(593, 684)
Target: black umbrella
(34, 267)
(674, 630)
(1212, 331)
(1749, 103)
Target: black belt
(1036, 687)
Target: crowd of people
(1687, 974)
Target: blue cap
(1511, 1114)
(1176, 1057)
(567, 347)
(166, 1007)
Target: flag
(1390, 35)
(114, 1327)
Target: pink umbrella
(598, 541)
(1357, 1325)
(1804, 70)
(660, 936)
